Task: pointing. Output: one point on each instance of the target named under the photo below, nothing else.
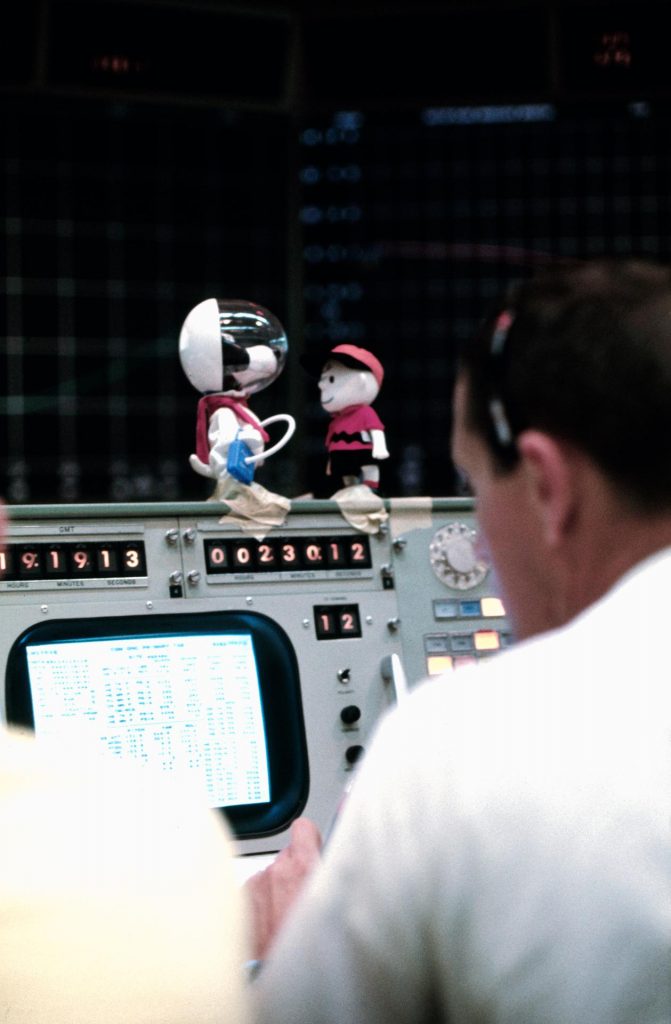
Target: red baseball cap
(351, 355)
(355, 356)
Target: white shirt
(505, 853)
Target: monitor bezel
(279, 684)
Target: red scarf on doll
(209, 405)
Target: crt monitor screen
(216, 695)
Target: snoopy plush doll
(229, 350)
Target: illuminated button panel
(469, 608)
(445, 651)
(288, 557)
(468, 643)
(71, 560)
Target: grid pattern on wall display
(415, 221)
(118, 219)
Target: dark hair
(582, 351)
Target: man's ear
(550, 478)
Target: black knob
(350, 714)
(352, 754)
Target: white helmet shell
(229, 345)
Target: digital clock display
(69, 560)
(287, 554)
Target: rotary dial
(454, 558)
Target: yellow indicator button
(492, 607)
(487, 640)
(437, 663)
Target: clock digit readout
(287, 554)
(69, 560)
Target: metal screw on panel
(344, 675)
(172, 536)
(393, 624)
(189, 535)
(249, 600)
(175, 577)
(399, 543)
(193, 577)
